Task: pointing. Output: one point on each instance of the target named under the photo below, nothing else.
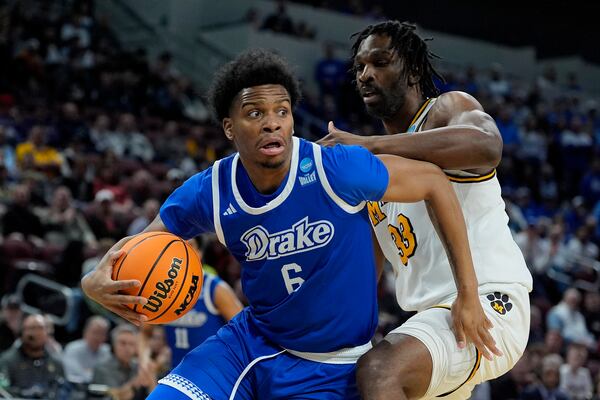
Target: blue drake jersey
(198, 324)
(306, 251)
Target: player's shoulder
(456, 100)
(448, 105)
(342, 151)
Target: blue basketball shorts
(239, 363)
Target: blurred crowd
(93, 137)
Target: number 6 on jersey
(289, 281)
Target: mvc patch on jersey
(500, 302)
(309, 175)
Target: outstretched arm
(460, 135)
(412, 181)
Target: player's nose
(366, 74)
(271, 124)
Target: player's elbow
(488, 146)
(492, 150)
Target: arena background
(102, 115)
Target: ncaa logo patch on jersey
(306, 166)
(500, 302)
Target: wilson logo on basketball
(164, 287)
(303, 236)
(190, 295)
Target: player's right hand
(338, 136)
(470, 323)
(99, 286)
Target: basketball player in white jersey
(429, 355)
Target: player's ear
(227, 128)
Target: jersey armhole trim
(325, 183)
(471, 179)
(216, 203)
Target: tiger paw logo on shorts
(500, 302)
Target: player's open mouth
(272, 148)
(369, 97)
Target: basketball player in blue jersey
(294, 216)
(429, 356)
(216, 305)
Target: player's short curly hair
(253, 67)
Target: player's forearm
(448, 220)
(453, 147)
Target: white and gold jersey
(411, 244)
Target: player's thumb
(113, 257)
(331, 127)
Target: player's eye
(358, 67)
(282, 112)
(381, 63)
(254, 114)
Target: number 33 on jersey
(401, 230)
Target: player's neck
(400, 122)
(266, 180)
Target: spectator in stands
(498, 86)
(576, 151)
(534, 143)
(568, 320)
(510, 385)
(590, 184)
(547, 388)
(8, 157)
(553, 341)
(52, 345)
(535, 248)
(591, 312)
(103, 220)
(20, 218)
(127, 141)
(154, 351)
(141, 187)
(536, 327)
(580, 246)
(508, 129)
(330, 72)
(74, 28)
(72, 130)
(121, 372)
(279, 21)
(11, 321)
(149, 212)
(575, 378)
(31, 370)
(65, 223)
(101, 132)
(81, 356)
(80, 180)
(36, 154)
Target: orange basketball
(170, 272)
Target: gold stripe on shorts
(471, 375)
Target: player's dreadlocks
(410, 47)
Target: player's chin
(377, 109)
(273, 163)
